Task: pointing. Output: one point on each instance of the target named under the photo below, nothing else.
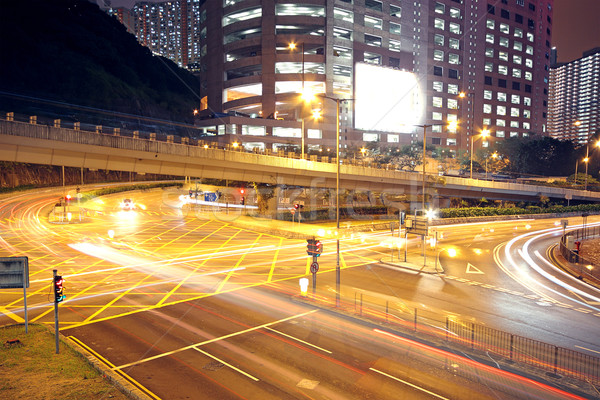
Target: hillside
(70, 51)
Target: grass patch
(32, 370)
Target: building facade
(574, 104)
(496, 52)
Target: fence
(549, 358)
(586, 268)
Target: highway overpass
(41, 144)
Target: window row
(453, 43)
(438, 55)
(488, 80)
(502, 96)
(440, 8)
(453, 27)
(503, 110)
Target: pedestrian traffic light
(314, 247)
(58, 289)
(242, 201)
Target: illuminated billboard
(386, 99)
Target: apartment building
(574, 102)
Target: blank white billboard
(385, 99)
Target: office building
(574, 104)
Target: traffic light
(314, 247)
(242, 200)
(58, 289)
(296, 206)
(68, 198)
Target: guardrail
(586, 268)
(548, 358)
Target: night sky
(576, 25)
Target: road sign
(210, 196)
(314, 267)
(417, 225)
(471, 269)
(14, 272)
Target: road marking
(585, 348)
(298, 340)
(110, 365)
(242, 257)
(193, 346)
(409, 384)
(226, 363)
(275, 256)
(471, 269)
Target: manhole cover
(213, 366)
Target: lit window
(504, 28)
(489, 67)
(453, 58)
(370, 137)
(242, 15)
(342, 52)
(514, 134)
(500, 134)
(528, 75)
(297, 9)
(515, 99)
(452, 88)
(454, 28)
(500, 122)
(517, 59)
(501, 96)
(438, 55)
(436, 128)
(455, 12)
(440, 8)
(487, 94)
(372, 40)
(487, 121)
(487, 108)
(438, 23)
(372, 58)
(518, 33)
(526, 114)
(503, 69)
(503, 55)
(504, 42)
(342, 70)
(527, 101)
(438, 39)
(395, 45)
(514, 124)
(514, 112)
(453, 104)
(490, 23)
(344, 15)
(501, 110)
(374, 5)
(372, 22)
(526, 125)
(529, 63)
(437, 116)
(454, 43)
(489, 37)
(393, 138)
(529, 50)
(516, 73)
(395, 28)
(342, 33)
(518, 46)
(395, 11)
(438, 86)
(451, 142)
(437, 102)
(489, 52)
(530, 36)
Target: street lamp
(484, 133)
(587, 152)
(338, 101)
(424, 149)
(316, 115)
(470, 111)
(494, 156)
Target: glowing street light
(587, 154)
(316, 115)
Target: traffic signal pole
(55, 311)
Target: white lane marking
(409, 384)
(216, 339)
(471, 269)
(225, 363)
(298, 340)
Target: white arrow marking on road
(471, 269)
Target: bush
(490, 211)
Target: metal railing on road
(546, 357)
(585, 267)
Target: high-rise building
(574, 104)
(496, 52)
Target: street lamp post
(337, 195)
(587, 152)
(424, 150)
(484, 133)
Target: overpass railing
(585, 267)
(199, 149)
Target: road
(188, 305)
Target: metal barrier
(583, 266)
(546, 357)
